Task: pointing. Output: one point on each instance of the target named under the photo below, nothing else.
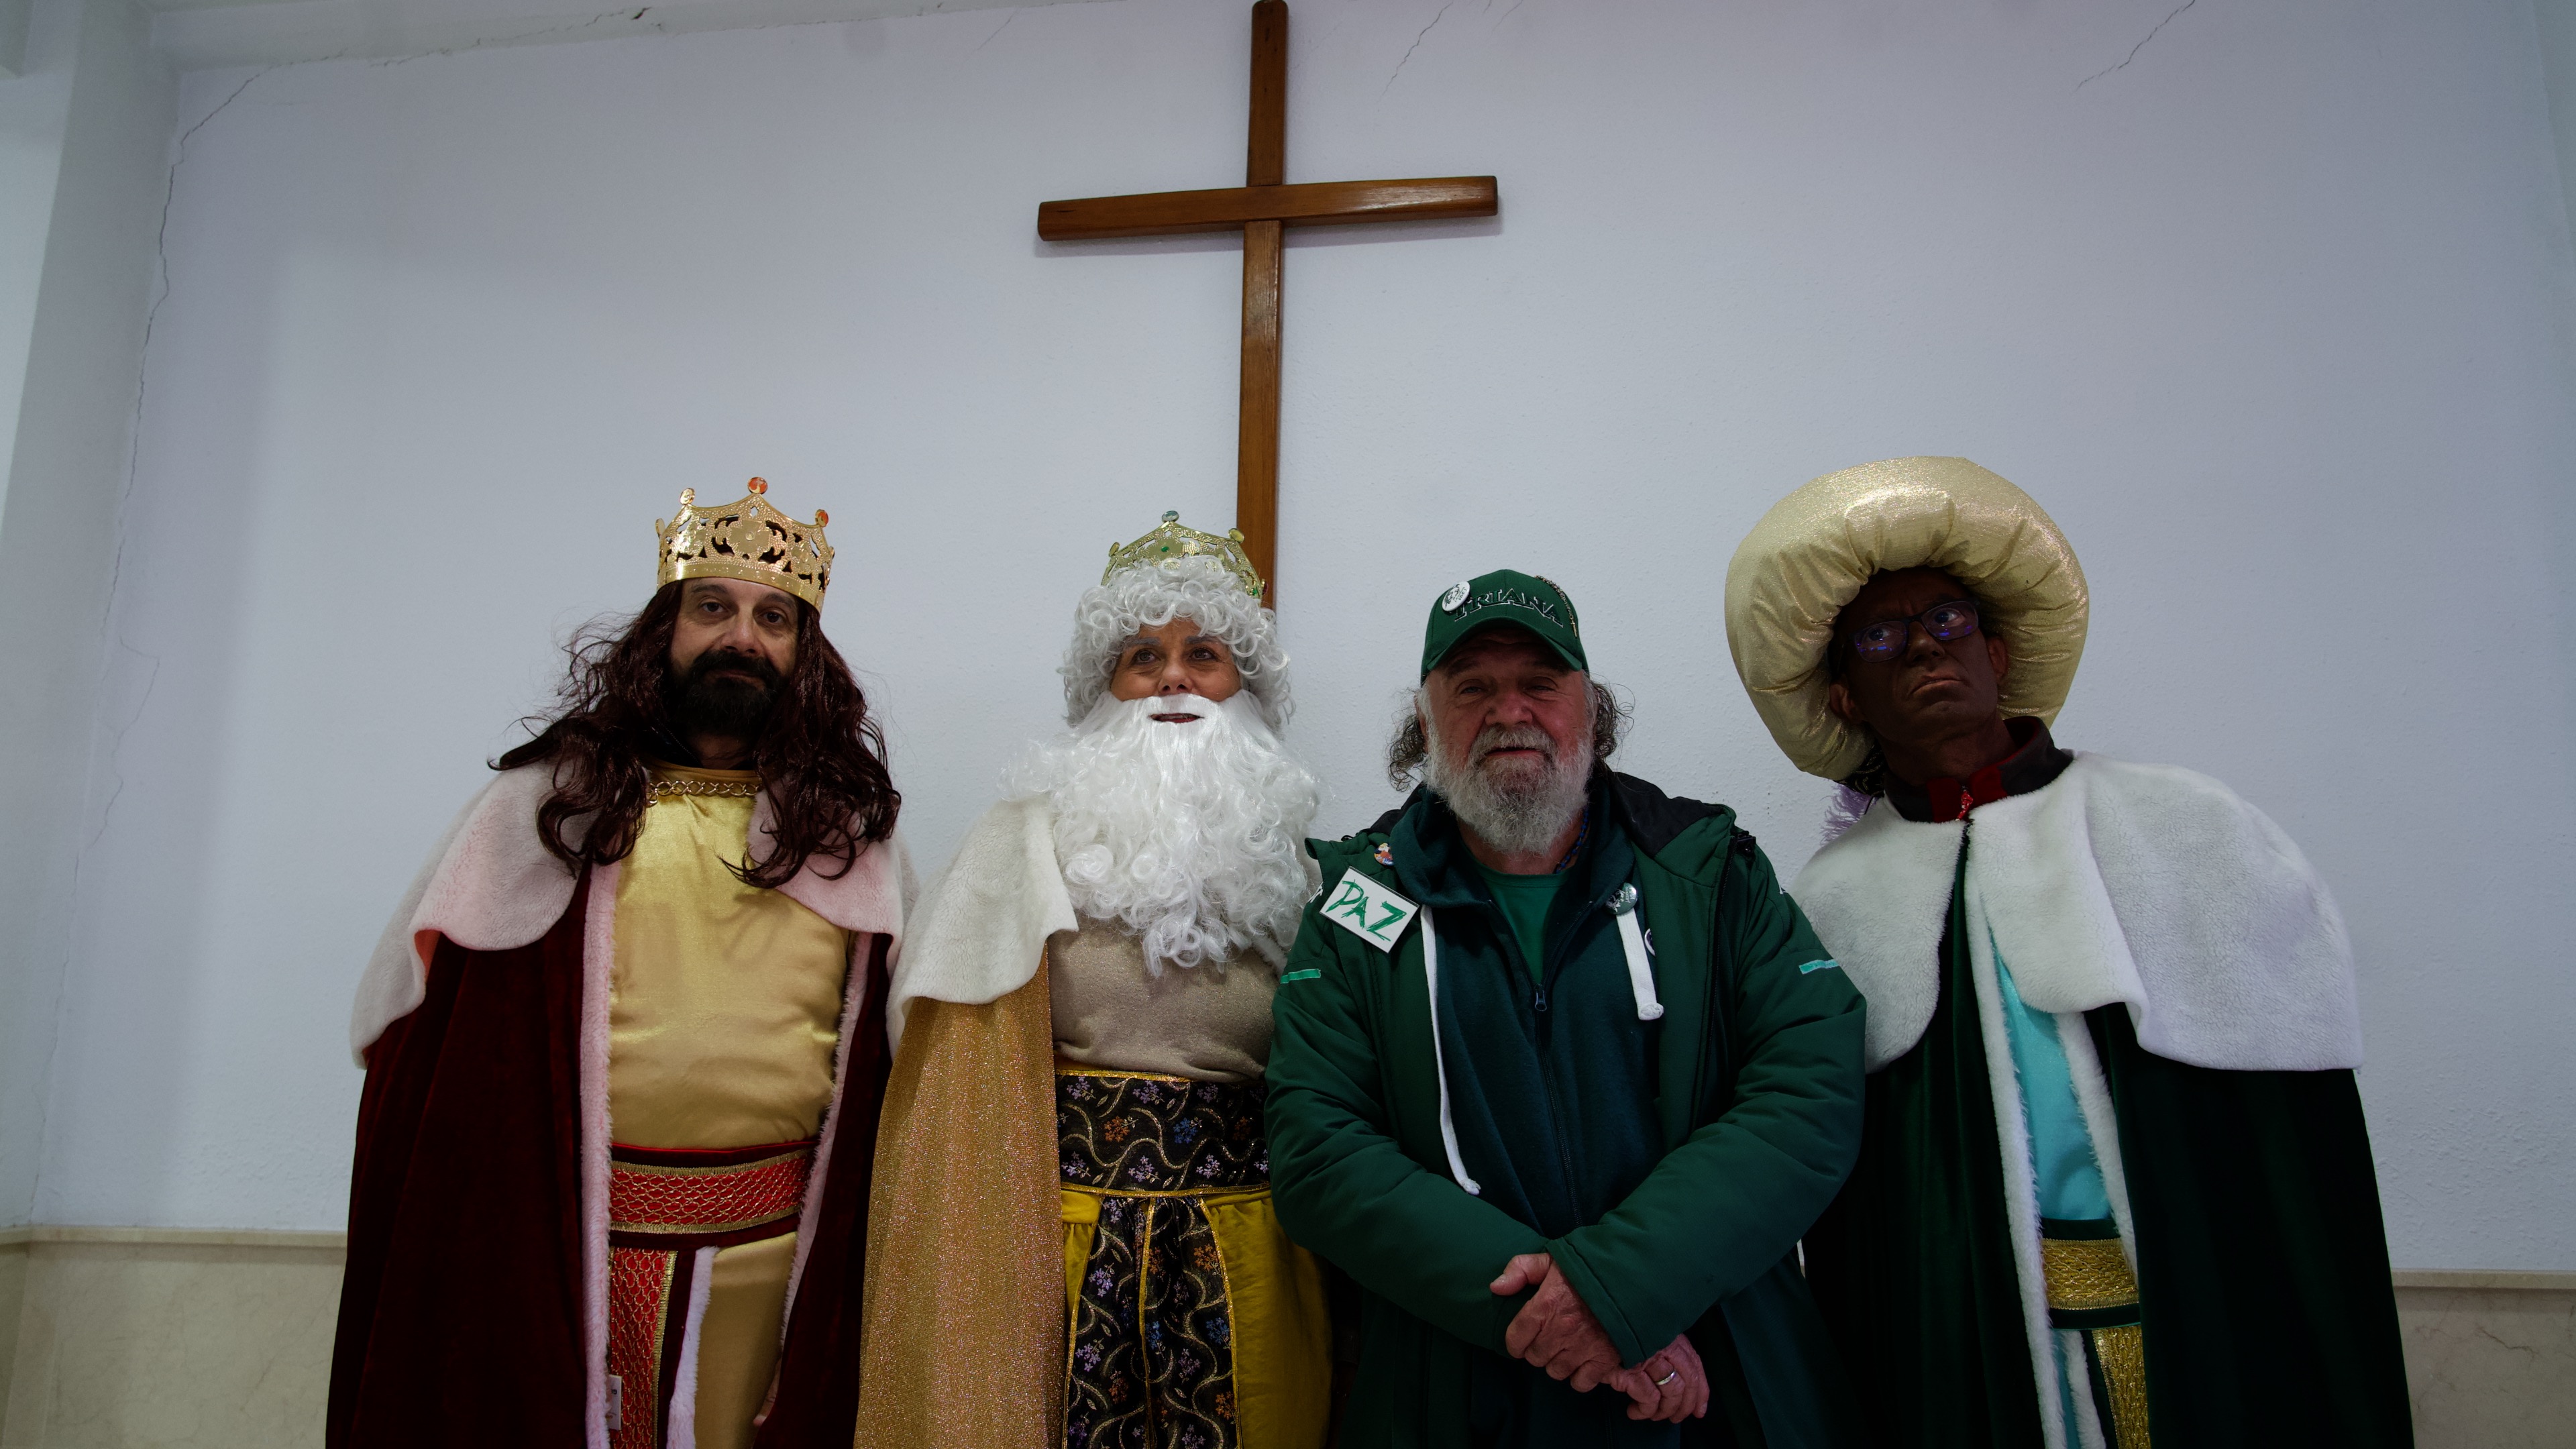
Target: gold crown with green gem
(1171, 541)
(750, 540)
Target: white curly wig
(1148, 596)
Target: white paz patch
(1369, 911)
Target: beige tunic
(1208, 1022)
(724, 1013)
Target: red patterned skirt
(669, 1209)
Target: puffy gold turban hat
(1811, 553)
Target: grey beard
(1517, 817)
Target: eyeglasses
(1886, 639)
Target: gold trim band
(2122, 1353)
(682, 785)
(2087, 1273)
(1204, 1194)
(1077, 1069)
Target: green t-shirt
(1525, 899)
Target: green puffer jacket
(1754, 1074)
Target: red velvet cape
(461, 1311)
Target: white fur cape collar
(491, 885)
(983, 923)
(2148, 885)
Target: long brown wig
(820, 756)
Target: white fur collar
(2143, 884)
(983, 923)
(491, 885)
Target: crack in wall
(113, 637)
(2141, 45)
(1410, 49)
(109, 625)
(525, 37)
(133, 473)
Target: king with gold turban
(2114, 1186)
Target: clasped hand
(1555, 1331)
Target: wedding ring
(1668, 1377)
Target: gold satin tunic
(724, 1013)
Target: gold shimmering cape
(964, 1340)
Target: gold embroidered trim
(2123, 1356)
(2087, 1273)
(662, 785)
(1072, 1069)
(1248, 1194)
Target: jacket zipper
(1547, 1048)
(1511, 945)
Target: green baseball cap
(1505, 596)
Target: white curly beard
(1190, 834)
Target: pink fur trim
(598, 969)
(491, 885)
(683, 1430)
(867, 897)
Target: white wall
(83, 171)
(2271, 310)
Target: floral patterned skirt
(1192, 1321)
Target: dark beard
(727, 709)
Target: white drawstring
(1641, 976)
(1448, 1129)
(1641, 982)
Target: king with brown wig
(625, 1043)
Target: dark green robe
(2262, 1268)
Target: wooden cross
(1261, 207)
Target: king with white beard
(1072, 1239)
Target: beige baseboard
(2484, 1280)
(179, 1237)
(126, 1337)
(2490, 1357)
(116, 1338)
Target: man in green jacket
(1572, 1209)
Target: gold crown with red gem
(750, 540)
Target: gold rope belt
(664, 1204)
(2092, 1291)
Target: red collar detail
(1953, 799)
